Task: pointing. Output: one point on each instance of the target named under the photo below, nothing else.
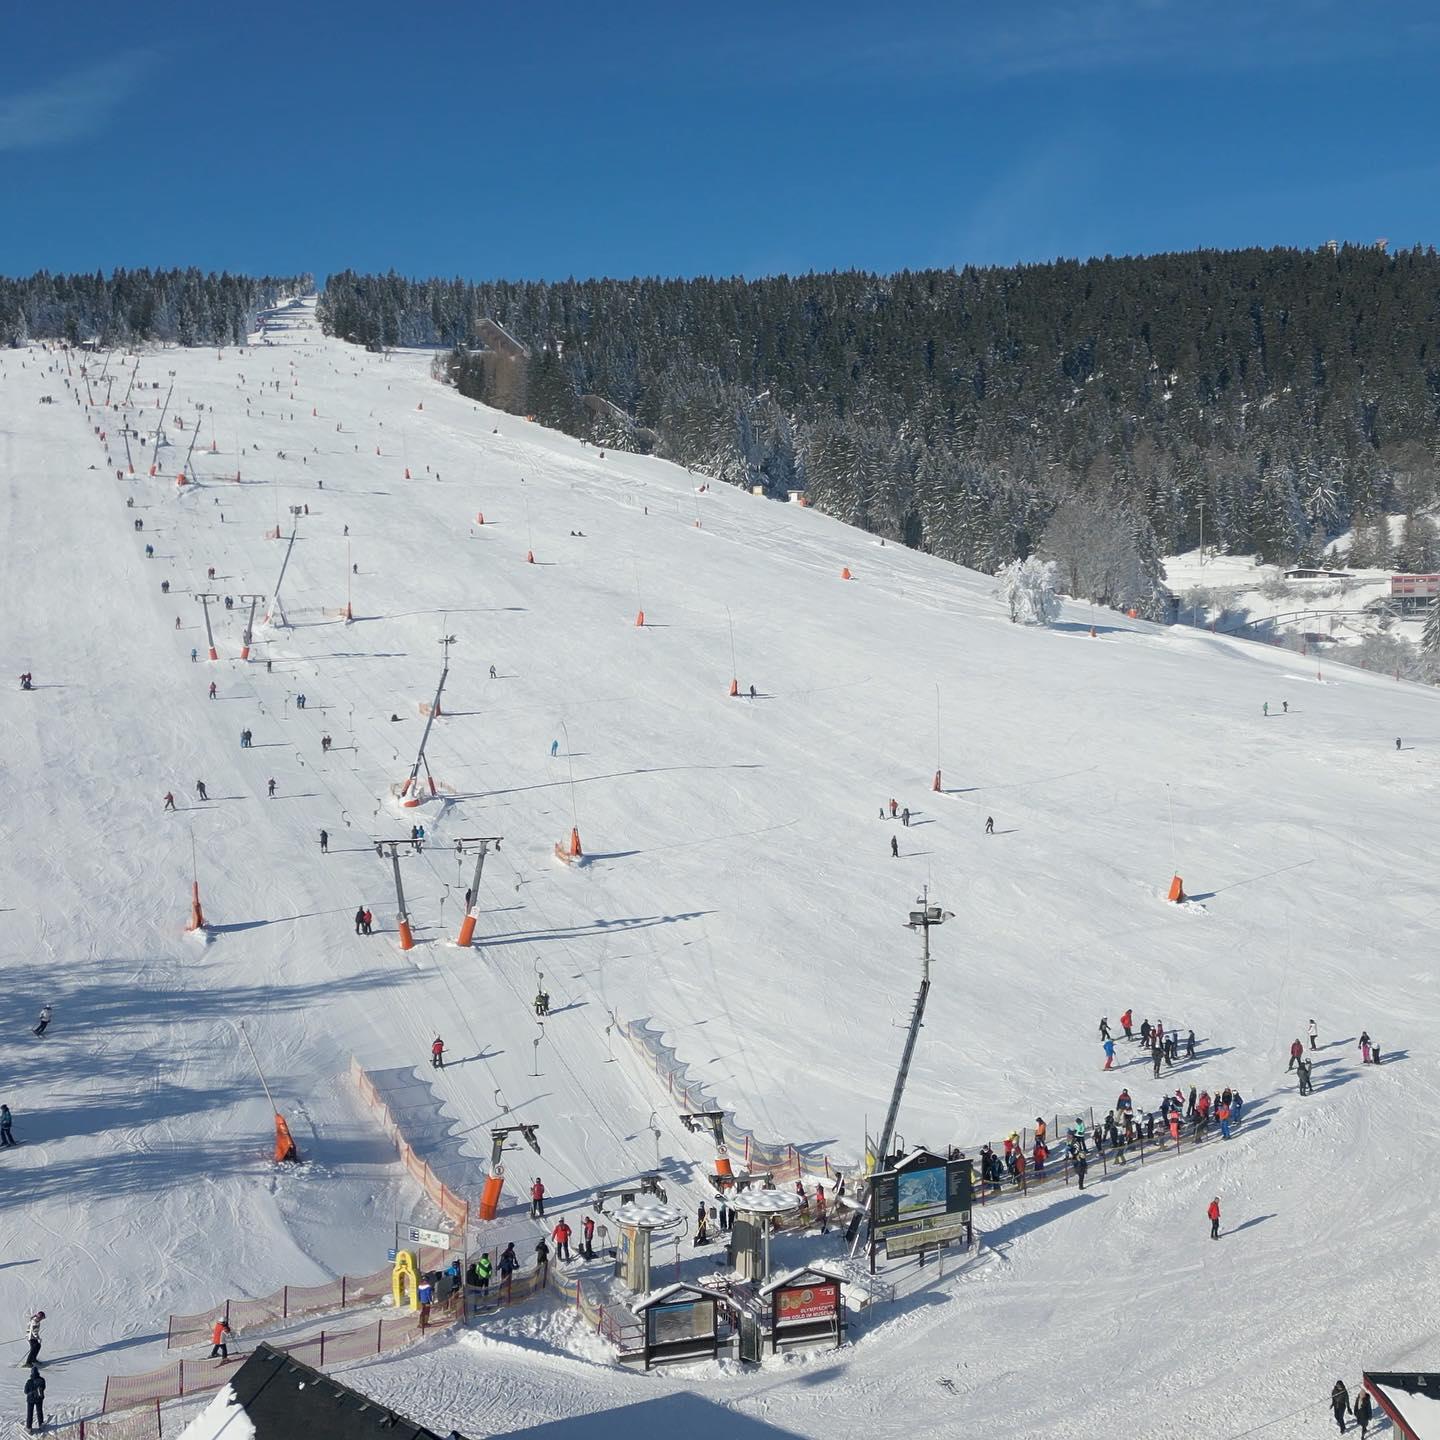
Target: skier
(480, 1274)
(1362, 1410)
(1340, 1403)
(1302, 1071)
(368, 919)
(542, 1260)
(894, 848)
(1296, 1051)
(752, 692)
(542, 1003)
(1125, 1022)
(437, 1054)
(212, 689)
(905, 817)
(177, 622)
(1109, 1053)
(821, 1209)
(169, 800)
(324, 842)
(561, 1236)
(493, 676)
(702, 1228)
(1364, 1047)
(989, 824)
(200, 789)
(1266, 709)
(1285, 706)
(1214, 1213)
(509, 1263)
(44, 1024)
(194, 654)
(1078, 1162)
(35, 1400)
(1104, 1027)
(893, 807)
(218, 1338)
(1397, 746)
(1223, 1116)
(360, 921)
(554, 748)
(1157, 1054)
(1313, 1031)
(537, 1200)
(1190, 1046)
(1145, 1032)
(587, 1229)
(271, 788)
(32, 1334)
(6, 1138)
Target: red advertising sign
(797, 1304)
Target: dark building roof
(286, 1400)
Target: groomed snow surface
(738, 891)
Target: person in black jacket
(35, 1400)
(1340, 1403)
(1362, 1410)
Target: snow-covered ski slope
(739, 891)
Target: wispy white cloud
(73, 106)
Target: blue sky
(542, 140)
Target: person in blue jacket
(1109, 1052)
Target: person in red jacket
(218, 1333)
(1296, 1051)
(588, 1231)
(537, 1200)
(437, 1053)
(1125, 1022)
(561, 1236)
(1214, 1213)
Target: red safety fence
(180, 1378)
(289, 1302)
(455, 1208)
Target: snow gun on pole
(408, 791)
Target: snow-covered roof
(221, 1419)
(648, 1212)
(1418, 1406)
(776, 1282)
(762, 1202)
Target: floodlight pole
(249, 625)
(402, 919)
(483, 842)
(205, 597)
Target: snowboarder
(587, 1229)
(271, 788)
(1296, 1051)
(218, 1338)
(905, 817)
(200, 789)
(324, 842)
(1109, 1053)
(437, 1054)
(1313, 1031)
(1214, 1214)
(537, 1200)
(35, 1400)
(894, 848)
(989, 824)
(6, 1138)
(561, 1236)
(1340, 1403)
(32, 1334)
(169, 800)
(44, 1024)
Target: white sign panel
(437, 1239)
